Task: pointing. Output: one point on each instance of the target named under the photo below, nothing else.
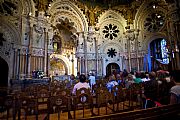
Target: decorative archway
(58, 67)
(111, 68)
(4, 70)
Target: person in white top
(92, 80)
(81, 84)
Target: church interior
(43, 43)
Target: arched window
(164, 52)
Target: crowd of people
(158, 85)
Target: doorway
(112, 68)
(3, 73)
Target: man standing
(92, 80)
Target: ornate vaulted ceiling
(106, 3)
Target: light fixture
(158, 16)
(30, 14)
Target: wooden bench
(167, 111)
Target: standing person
(78, 74)
(81, 84)
(92, 80)
(72, 79)
(129, 81)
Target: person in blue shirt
(112, 82)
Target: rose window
(110, 31)
(154, 22)
(111, 52)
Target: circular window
(154, 22)
(110, 31)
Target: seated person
(175, 90)
(81, 84)
(112, 82)
(119, 79)
(71, 81)
(129, 81)
(151, 91)
(138, 78)
(175, 94)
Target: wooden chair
(7, 105)
(103, 98)
(82, 100)
(136, 90)
(25, 104)
(42, 97)
(58, 103)
(119, 95)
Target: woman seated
(81, 84)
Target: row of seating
(54, 98)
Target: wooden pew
(167, 111)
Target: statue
(41, 4)
(92, 13)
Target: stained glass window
(164, 52)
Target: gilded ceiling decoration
(93, 8)
(42, 5)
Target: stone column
(137, 48)
(173, 32)
(18, 63)
(85, 54)
(130, 37)
(29, 49)
(45, 52)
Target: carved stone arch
(152, 37)
(111, 43)
(66, 68)
(73, 22)
(110, 14)
(28, 7)
(59, 41)
(10, 33)
(12, 39)
(78, 14)
(63, 60)
(111, 67)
